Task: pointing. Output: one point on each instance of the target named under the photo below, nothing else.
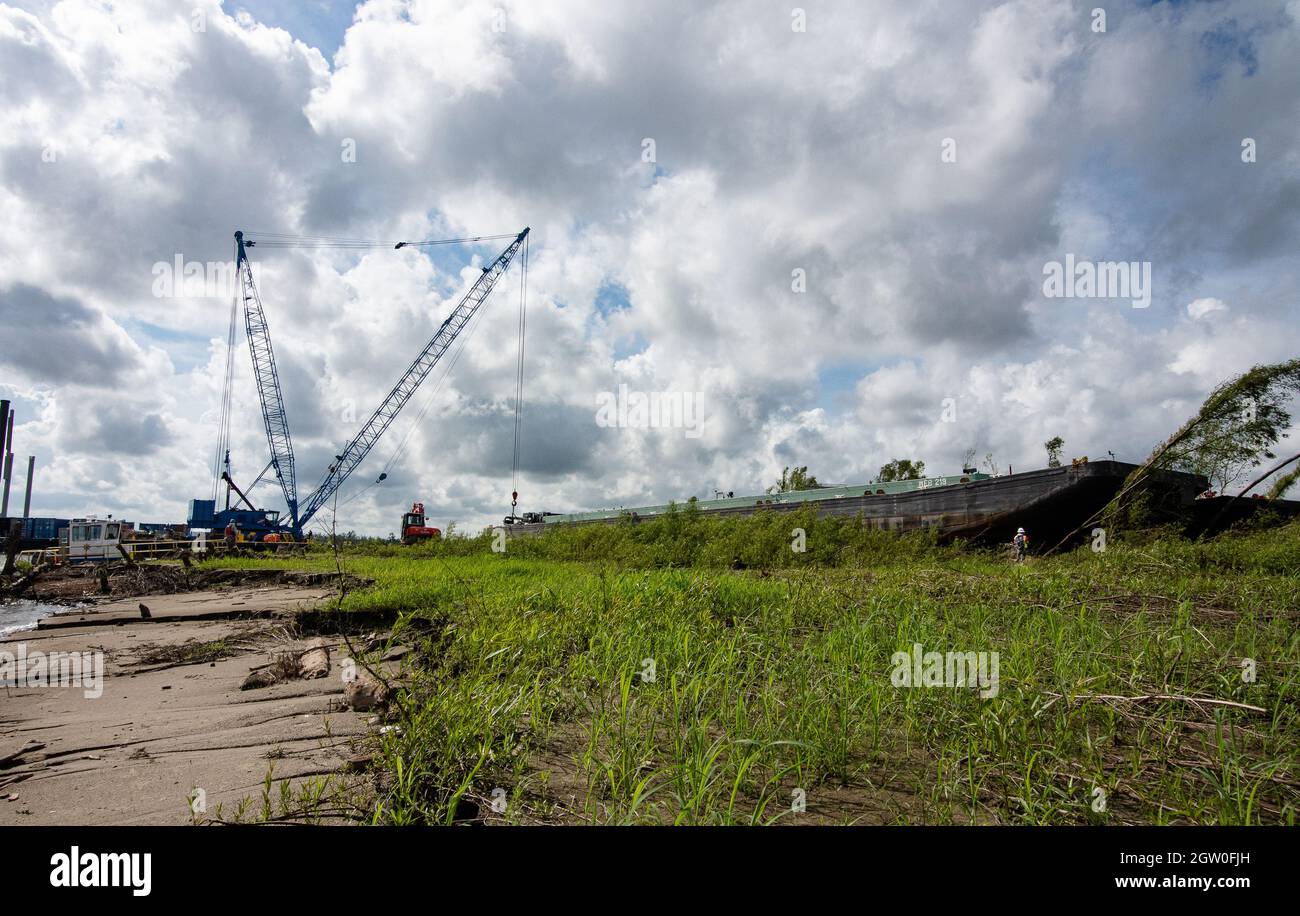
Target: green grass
(531, 681)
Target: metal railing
(148, 550)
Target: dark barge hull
(1049, 503)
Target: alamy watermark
(1082, 279)
(75, 868)
(194, 279)
(53, 669)
(626, 409)
(945, 669)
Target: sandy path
(134, 754)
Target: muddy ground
(171, 717)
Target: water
(22, 615)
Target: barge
(1050, 502)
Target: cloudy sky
(829, 223)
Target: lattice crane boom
(356, 450)
(268, 383)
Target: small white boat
(95, 540)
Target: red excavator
(414, 531)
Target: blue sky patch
(630, 345)
(319, 23)
(836, 384)
(612, 297)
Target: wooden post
(12, 543)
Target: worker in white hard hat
(1021, 543)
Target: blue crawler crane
(271, 525)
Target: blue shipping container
(42, 529)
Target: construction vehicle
(414, 531)
(270, 526)
(254, 526)
(527, 518)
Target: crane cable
(283, 240)
(458, 350)
(519, 377)
(223, 425)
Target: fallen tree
(1237, 425)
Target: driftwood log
(25, 582)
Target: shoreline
(7, 629)
(170, 720)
